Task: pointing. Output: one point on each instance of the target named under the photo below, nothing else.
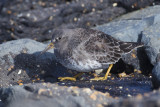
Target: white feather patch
(88, 66)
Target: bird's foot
(98, 79)
(105, 77)
(70, 78)
(67, 78)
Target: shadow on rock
(145, 65)
(38, 67)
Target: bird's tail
(129, 46)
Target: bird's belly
(80, 62)
(85, 65)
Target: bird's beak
(50, 46)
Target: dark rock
(47, 95)
(150, 13)
(151, 39)
(129, 27)
(116, 86)
(156, 76)
(134, 4)
(156, 73)
(28, 18)
(118, 29)
(146, 100)
(2, 2)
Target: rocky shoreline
(27, 79)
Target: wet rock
(47, 95)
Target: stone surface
(2, 2)
(21, 62)
(49, 95)
(28, 18)
(128, 86)
(151, 39)
(147, 100)
(153, 12)
(17, 46)
(125, 30)
(129, 27)
(156, 76)
(156, 73)
(134, 4)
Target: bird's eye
(57, 39)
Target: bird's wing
(103, 47)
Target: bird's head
(56, 39)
